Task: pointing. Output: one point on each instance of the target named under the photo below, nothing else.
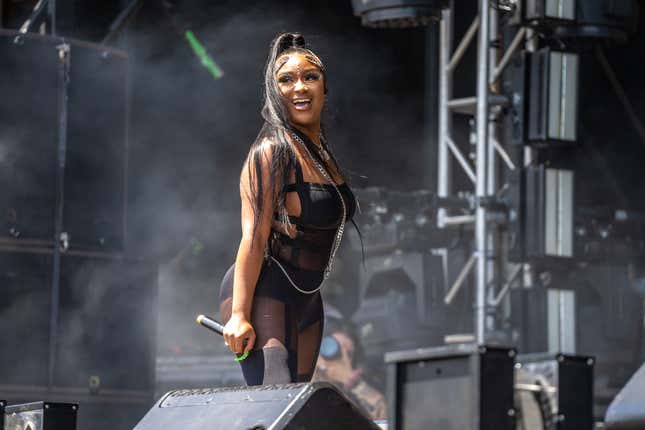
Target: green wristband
(242, 357)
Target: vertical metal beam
(491, 176)
(431, 104)
(63, 86)
(51, 12)
(444, 170)
(482, 140)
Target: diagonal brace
(460, 280)
(462, 160)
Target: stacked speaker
(78, 313)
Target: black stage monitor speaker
(41, 416)
(317, 406)
(627, 411)
(455, 387)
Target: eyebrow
(312, 68)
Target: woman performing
(295, 203)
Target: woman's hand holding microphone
(239, 334)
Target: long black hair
(271, 140)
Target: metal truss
(485, 107)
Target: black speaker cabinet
(106, 322)
(544, 12)
(33, 85)
(317, 406)
(455, 387)
(567, 382)
(106, 335)
(41, 416)
(552, 97)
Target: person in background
(339, 363)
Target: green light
(206, 60)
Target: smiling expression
(301, 85)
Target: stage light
(552, 101)
(581, 20)
(398, 13)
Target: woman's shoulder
(267, 152)
(266, 145)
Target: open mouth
(302, 104)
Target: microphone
(210, 324)
(218, 328)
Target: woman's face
(302, 88)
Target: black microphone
(218, 328)
(210, 324)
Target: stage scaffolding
(493, 275)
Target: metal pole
(464, 44)
(465, 271)
(431, 132)
(491, 175)
(52, 17)
(63, 82)
(122, 20)
(35, 14)
(515, 44)
(482, 140)
(445, 119)
(621, 94)
(461, 159)
(503, 154)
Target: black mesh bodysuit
(289, 323)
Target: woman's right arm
(250, 253)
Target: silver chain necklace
(339, 233)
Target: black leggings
(288, 327)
